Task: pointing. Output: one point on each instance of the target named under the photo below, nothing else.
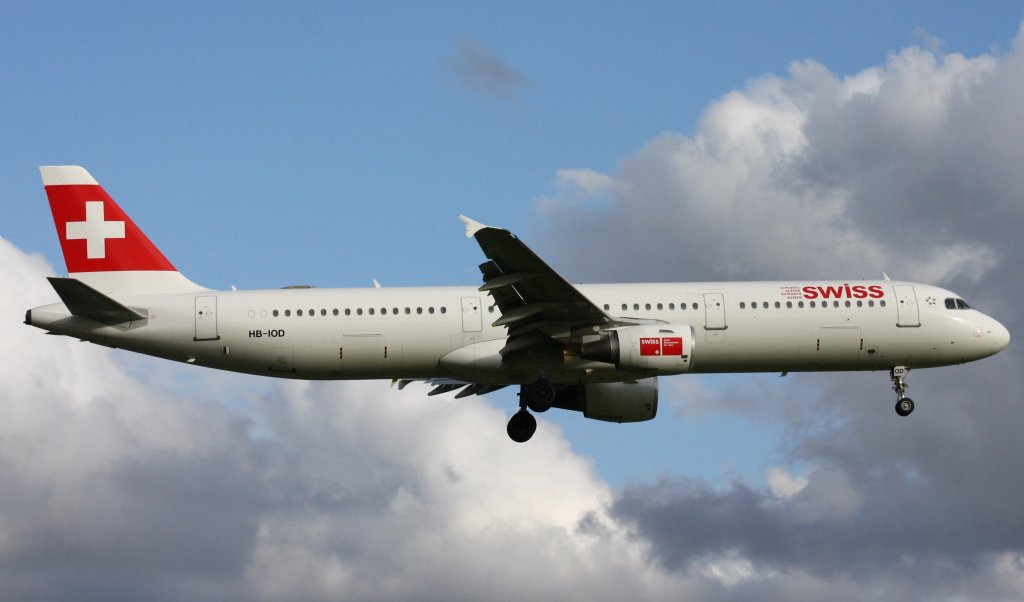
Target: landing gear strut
(904, 404)
(537, 397)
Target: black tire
(521, 426)
(540, 396)
(904, 406)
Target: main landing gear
(904, 404)
(537, 397)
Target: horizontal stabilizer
(86, 302)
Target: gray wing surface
(539, 307)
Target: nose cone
(1000, 337)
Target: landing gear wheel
(904, 406)
(540, 395)
(521, 426)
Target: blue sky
(265, 144)
(346, 124)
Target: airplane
(597, 349)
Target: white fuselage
(446, 332)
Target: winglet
(472, 226)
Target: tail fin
(102, 246)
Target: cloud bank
(911, 167)
(118, 487)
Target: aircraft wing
(537, 305)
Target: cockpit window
(956, 304)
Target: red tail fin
(101, 244)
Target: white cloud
(779, 177)
(783, 484)
(587, 181)
(912, 167)
(120, 488)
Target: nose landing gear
(904, 404)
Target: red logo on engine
(650, 346)
(661, 346)
(672, 346)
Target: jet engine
(651, 348)
(633, 401)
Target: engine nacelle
(621, 402)
(634, 401)
(652, 348)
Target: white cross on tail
(95, 230)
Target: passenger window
(275, 313)
(323, 312)
(606, 307)
(623, 307)
(695, 306)
(444, 309)
(287, 313)
(660, 307)
(860, 303)
(800, 304)
(312, 313)
(778, 305)
(847, 303)
(789, 305)
(335, 312)
(671, 305)
(348, 312)
(370, 311)
(394, 310)
(743, 305)
(419, 310)
(765, 305)
(871, 302)
(835, 304)
(812, 304)
(359, 311)
(881, 303)
(298, 312)
(647, 306)
(430, 310)
(636, 306)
